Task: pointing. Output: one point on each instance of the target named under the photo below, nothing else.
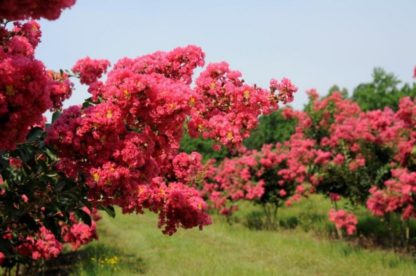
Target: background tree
(383, 91)
(335, 88)
(272, 128)
(204, 147)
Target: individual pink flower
(339, 159)
(322, 157)
(15, 162)
(24, 198)
(334, 197)
(313, 94)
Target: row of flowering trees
(120, 148)
(338, 150)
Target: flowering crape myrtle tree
(271, 177)
(120, 148)
(356, 155)
(40, 208)
(367, 158)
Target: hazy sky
(314, 43)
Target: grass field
(131, 245)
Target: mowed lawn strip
(223, 249)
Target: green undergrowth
(311, 215)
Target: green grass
(223, 249)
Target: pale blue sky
(314, 43)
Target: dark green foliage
(203, 146)
(34, 194)
(355, 185)
(383, 91)
(272, 128)
(336, 88)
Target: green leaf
(51, 154)
(34, 134)
(55, 116)
(28, 221)
(52, 224)
(5, 246)
(60, 185)
(87, 103)
(109, 210)
(82, 215)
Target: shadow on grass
(95, 259)
(393, 233)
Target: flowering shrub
(270, 177)
(398, 195)
(42, 245)
(337, 150)
(128, 135)
(232, 181)
(358, 152)
(39, 206)
(120, 148)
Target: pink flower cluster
(300, 153)
(59, 88)
(344, 220)
(177, 205)
(43, 245)
(285, 89)
(35, 9)
(275, 175)
(27, 90)
(79, 233)
(186, 167)
(129, 136)
(232, 181)
(349, 130)
(226, 109)
(90, 70)
(398, 195)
